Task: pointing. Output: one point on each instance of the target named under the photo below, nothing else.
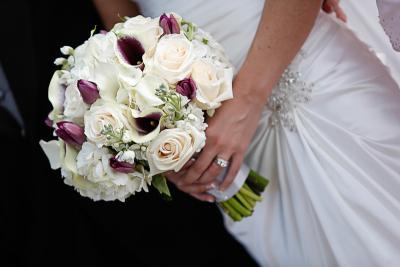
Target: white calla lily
(54, 151)
(70, 159)
(105, 75)
(146, 91)
(56, 95)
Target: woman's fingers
(327, 6)
(234, 167)
(174, 177)
(214, 170)
(200, 165)
(204, 197)
(197, 188)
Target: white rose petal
(102, 114)
(173, 148)
(213, 81)
(172, 58)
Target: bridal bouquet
(131, 104)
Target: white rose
(103, 115)
(145, 30)
(213, 81)
(100, 47)
(173, 148)
(172, 58)
(74, 106)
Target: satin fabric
(365, 21)
(329, 141)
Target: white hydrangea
(195, 116)
(97, 180)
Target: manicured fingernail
(211, 186)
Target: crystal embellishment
(287, 94)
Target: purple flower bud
(131, 50)
(169, 24)
(121, 166)
(71, 133)
(148, 123)
(48, 122)
(187, 87)
(88, 90)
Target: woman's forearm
(283, 28)
(110, 11)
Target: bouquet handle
(237, 183)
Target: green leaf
(160, 183)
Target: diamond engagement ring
(221, 162)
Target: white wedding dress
(329, 140)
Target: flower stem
(231, 211)
(239, 207)
(248, 192)
(244, 201)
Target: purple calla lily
(121, 166)
(48, 122)
(169, 24)
(71, 133)
(187, 87)
(88, 90)
(131, 50)
(148, 123)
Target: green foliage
(160, 183)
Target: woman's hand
(229, 134)
(283, 28)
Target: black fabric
(45, 222)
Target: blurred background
(43, 221)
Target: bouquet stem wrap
(240, 198)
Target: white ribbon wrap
(234, 187)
